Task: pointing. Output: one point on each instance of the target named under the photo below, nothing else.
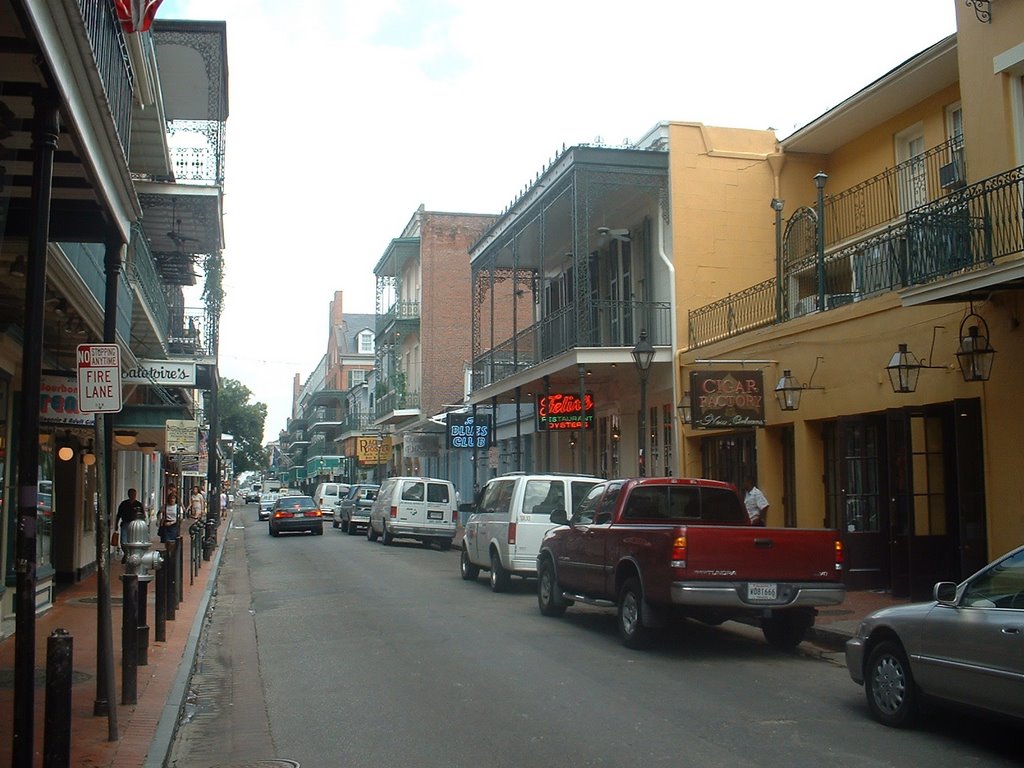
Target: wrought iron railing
(887, 196)
(197, 151)
(325, 415)
(396, 401)
(142, 273)
(112, 63)
(613, 324)
(191, 333)
(356, 422)
(967, 229)
(400, 310)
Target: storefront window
(44, 504)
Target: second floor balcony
(968, 229)
(397, 405)
(401, 313)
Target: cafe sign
(727, 399)
(565, 411)
(168, 372)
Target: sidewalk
(145, 729)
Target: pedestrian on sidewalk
(755, 502)
(170, 522)
(197, 504)
(223, 504)
(128, 510)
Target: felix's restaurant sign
(563, 411)
(724, 399)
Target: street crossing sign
(99, 378)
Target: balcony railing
(356, 422)
(142, 272)
(197, 151)
(396, 401)
(965, 230)
(886, 197)
(613, 324)
(112, 63)
(325, 415)
(400, 310)
(192, 332)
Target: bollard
(129, 638)
(142, 638)
(171, 591)
(179, 552)
(160, 612)
(57, 726)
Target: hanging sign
(727, 399)
(173, 372)
(466, 432)
(182, 436)
(99, 378)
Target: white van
(504, 532)
(328, 495)
(421, 508)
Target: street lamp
(380, 454)
(643, 355)
(819, 181)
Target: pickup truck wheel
(787, 629)
(469, 571)
(500, 578)
(549, 596)
(889, 686)
(631, 621)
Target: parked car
(267, 501)
(352, 511)
(296, 513)
(421, 508)
(506, 526)
(327, 496)
(966, 647)
(657, 548)
(252, 496)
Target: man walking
(128, 510)
(755, 502)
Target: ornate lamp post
(643, 356)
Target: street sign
(99, 378)
(182, 436)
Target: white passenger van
(421, 508)
(513, 513)
(328, 495)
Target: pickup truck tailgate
(761, 554)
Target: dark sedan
(296, 514)
(965, 647)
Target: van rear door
(440, 505)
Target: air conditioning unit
(804, 306)
(951, 175)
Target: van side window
(579, 490)
(437, 493)
(497, 497)
(412, 491)
(542, 497)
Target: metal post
(519, 429)
(160, 610)
(777, 206)
(581, 369)
(57, 727)
(129, 638)
(547, 432)
(179, 566)
(819, 181)
(642, 438)
(171, 589)
(44, 144)
(142, 637)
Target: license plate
(762, 591)
(435, 514)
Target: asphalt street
(334, 651)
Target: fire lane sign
(99, 378)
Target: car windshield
(295, 502)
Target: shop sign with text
(565, 411)
(58, 402)
(371, 450)
(727, 399)
(465, 431)
(169, 372)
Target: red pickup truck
(662, 547)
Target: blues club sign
(464, 431)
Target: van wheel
(444, 544)
(386, 536)
(500, 578)
(371, 535)
(631, 619)
(352, 529)
(549, 596)
(335, 523)
(469, 571)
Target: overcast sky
(345, 116)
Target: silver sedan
(966, 646)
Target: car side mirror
(945, 592)
(559, 517)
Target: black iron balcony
(396, 401)
(399, 312)
(112, 63)
(965, 230)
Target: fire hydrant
(140, 558)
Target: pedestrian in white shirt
(755, 502)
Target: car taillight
(679, 552)
(839, 555)
(394, 512)
(511, 533)
(283, 513)
(314, 513)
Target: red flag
(136, 15)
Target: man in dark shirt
(128, 510)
